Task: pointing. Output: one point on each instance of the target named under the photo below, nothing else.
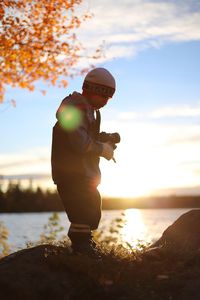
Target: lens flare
(70, 117)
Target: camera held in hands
(112, 138)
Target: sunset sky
(153, 50)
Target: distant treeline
(172, 201)
(18, 199)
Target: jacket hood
(75, 98)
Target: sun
(149, 167)
(122, 188)
(117, 181)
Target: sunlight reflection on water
(134, 227)
(134, 231)
(129, 229)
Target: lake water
(133, 225)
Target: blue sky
(153, 50)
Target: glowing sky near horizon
(153, 50)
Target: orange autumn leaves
(38, 42)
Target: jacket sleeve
(81, 141)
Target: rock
(27, 274)
(51, 272)
(183, 235)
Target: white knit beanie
(100, 81)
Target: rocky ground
(169, 269)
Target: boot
(82, 242)
(86, 248)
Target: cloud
(173, 111)
(35, 160)
(189, 138)
(186, 191)
(128, 27)
(176, 111)
(26, 176)
(18, 161)
(128, 115)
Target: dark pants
(81, 200)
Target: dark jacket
(76, 152)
